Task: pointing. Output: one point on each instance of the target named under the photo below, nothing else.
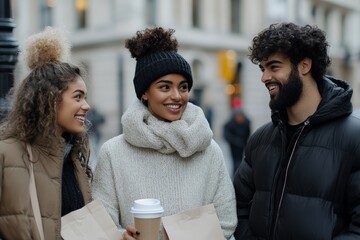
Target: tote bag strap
(33, 195)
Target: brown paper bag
(90, 222)
(199, 223)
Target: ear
(304, 66)
(144, 97)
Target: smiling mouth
(272, 87)
(80, 118)
(173, 106)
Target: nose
(266, 76)
(85, 106)
(175, 94)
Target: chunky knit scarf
(186, 136)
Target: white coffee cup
(147, 216)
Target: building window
(196, 70)
(176, 10)
(81, 12)
(313, 11)
(196, 13)
(235, 16)
(327, 21)
(196, 93)
(46, 9)
(151, 12)
(343, 30)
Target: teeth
(80, 118)
(173, 106)
(271, 87)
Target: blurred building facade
(214, 36)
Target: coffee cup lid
(147, 206)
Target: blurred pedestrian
(236, 133)
(300, 178)
(166, 150)
(44, 136)
(96, 120)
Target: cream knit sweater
(176, 162)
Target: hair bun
(48, 46)
(151, 40)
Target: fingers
(131, 233)
(127, 236)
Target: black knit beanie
(157, 64)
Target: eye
(274, 67)
(184, 87)
(77, 96)
(164, 87)
(261, 68)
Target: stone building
(205, 29)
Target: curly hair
(33, 114)
(34, 109)
(296, 43)
(151, 40)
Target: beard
(289, 93)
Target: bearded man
(300, 177)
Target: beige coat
(16, 215)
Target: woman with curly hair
(166, 150)
(300, 177)
(46, 131)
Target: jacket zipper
(285, 180)
(283, 153)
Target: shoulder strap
(33, 195)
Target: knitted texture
(155, 65)
(176, 162)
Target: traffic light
(227, 64)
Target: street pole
(8, 54)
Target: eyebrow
(79, 91)
(169, 81)
(273, 62)
(270, 63)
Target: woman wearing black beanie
(166, 150)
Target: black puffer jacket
(319, 195)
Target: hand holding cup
(147, 216)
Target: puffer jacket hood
(336, 102)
